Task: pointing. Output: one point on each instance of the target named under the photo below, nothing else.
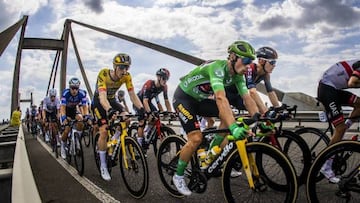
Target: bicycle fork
(248, 162)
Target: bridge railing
(23, 184)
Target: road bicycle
(73, 148)
(346, 163)
(54, 135)
(266, 172)
(87, 134)
(290, 143)
(129, 154)
(156, 133)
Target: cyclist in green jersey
(191, 99)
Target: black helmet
(74, 82)
(121, 93)
(164, 73)
(266, 53)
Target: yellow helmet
(122, 59)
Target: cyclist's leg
(102, 141)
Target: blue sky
(310, 35)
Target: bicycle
(346, 163)
(292, 144)
(157, 132)
(54, 136)
(87, 134)
(132, 162)
(73, 148)
(252, 158)
(34, 128)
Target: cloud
(95, 5)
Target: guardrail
(23, 184)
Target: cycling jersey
(212, 76)
(338, 75)
(252, 78)
(72, 101)
(150, 91)
(106, 83)
(51, 106)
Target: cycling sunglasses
(164, 78)
(74, 88)
(271, 61)
(123, 67)
(246, 60)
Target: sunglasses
(123, 67)
(74, 88)
(271, 61)
(165, 78)
(246, 60)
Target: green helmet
(242, 49)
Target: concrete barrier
(23, 184)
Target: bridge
(48, 179)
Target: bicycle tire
(296, 149)
(321, 190)
(132, 129)
(286, 172)
(86, 137)
(95, 150)
(165, 132)
(167, 159)
(79, 155)
(316, 140)
(137, 189)
(53, 142)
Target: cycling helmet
(122, 59)
(267, 53)
(74, 82)
(121, 93)
(52, 92)
(164, 73)
(242, 49)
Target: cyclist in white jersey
(50, 110)
(331, 93)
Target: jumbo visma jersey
(211, 77)
(105, 83)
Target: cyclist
(106, 106)
(27, 119)
(151, 89)
(121, 100)
(73, 107)
(257, 72)
(191, 99)
(331, 93)
(51, 110)
(33, 117)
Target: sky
(309, 35)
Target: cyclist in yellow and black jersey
(105, 105)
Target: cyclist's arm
(250, 104)
(257, 99)
(135, 99)
(354, 81)
(104, 101)
(225, 112)
(125, 106)
(168, 105)
(273, 99)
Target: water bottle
(201, 153)
(212, 154)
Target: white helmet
(52, 92)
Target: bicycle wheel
(95, 150)
(297, 151)
(86, 137)
(136, 175)
(316, 140)
(167, 159)
(165, 132)
(78, 155)
(68, 150)
(346, 156)
(132, 129)
(274, 163)
(53, 142)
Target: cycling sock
(102, 155)
(216, 141)
(348, 123)
(181, 167)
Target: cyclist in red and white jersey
(331, 93)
